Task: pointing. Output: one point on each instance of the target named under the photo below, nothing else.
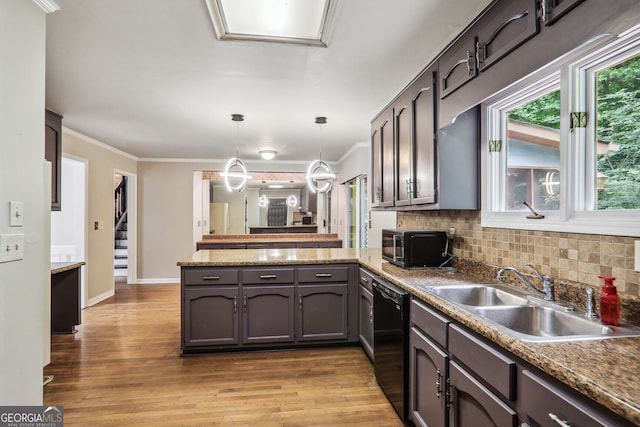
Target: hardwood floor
(123, 368)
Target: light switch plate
(11, 247)
(15, 214)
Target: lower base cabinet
(458, 378)
(268, 314)
(268, 307)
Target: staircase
(120, 261)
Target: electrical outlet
(637, 257)
(11, 247)
(15, 214)
(452, 232)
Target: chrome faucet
(547, 281)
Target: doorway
(357, 208)
(69, 225)
(124, 241)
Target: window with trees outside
(562, 149)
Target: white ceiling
(150, 78)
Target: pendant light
(319, 175)
(235, 172)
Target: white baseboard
(100, 298)
(169, 281)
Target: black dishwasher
(391, 343)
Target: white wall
(23, 284)
(65, 232)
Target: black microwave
(415, 248)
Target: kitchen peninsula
(600, 374)
(304, 228)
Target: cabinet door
(424, 126)
(556, 9)
(376, 166)
(473, 404)
(365, 320)
(503, 28)
(323, 312)
(403, 175)
(427, 382)
(53, 153)
(268, 314)
(210, 316)
(458, 64)
(388, 162)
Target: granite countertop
(59, 267)
(605, 370)
(268, 238)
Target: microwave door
(398, 248)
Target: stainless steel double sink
(525, 317)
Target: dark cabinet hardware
(269, 276)
(211, 278)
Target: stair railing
(120, 206)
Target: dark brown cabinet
(404, 155)
(503, 28)
(457, 65)
(458, 378)
(423, 103)
(552, 10)
(323, 303)
(267, 307)
(365, 312)
(473, 404)
(210, 316)
(383, 158)
(268, 314)
(428, 367)
(53, 153)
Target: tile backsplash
(570, 257)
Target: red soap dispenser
(609, 302)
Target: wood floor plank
(123, 367)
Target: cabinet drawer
(267, 276)
(209, 276)
(544, 404)
(323, 274)
(431, 323)
(492, 366)
(366, 278)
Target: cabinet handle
(211, 278)
(364, 279)
(235, 304)
(245, 303)
(438, 383)
(558, 421)
(542, 14)
(300, 302)
(269, 276)
(323, 275)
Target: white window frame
(571, 74)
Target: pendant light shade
(319, 174)
(235, 172)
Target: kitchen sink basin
(479, 295)
(527, 318)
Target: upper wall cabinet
(382, 156)
(402, 113)
(53, 153)
(504, 28)
(458, 64)
(552, 10)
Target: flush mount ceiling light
(307, 22)
(267, 154)
(235, 172)
(319, 174)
